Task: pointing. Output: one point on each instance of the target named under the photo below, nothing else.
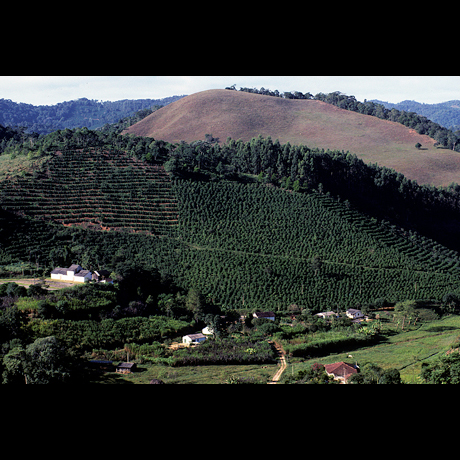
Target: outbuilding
(193, 338)
(264, 314)
(126, 368)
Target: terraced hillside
(253, 245)
(95, 189)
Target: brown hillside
(242, 115)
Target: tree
(372, 374)
(418, 145)
(13, 363)
(450, 303)
(445, 370)
(43, 361)
(194, 301)
(407, 311)
(316, 263)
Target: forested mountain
(44, 119)
(447, 113)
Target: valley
(288, 206)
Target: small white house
(73, 273)
(353, 313)
(193, 338)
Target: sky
(49, 90)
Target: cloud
(50, 90)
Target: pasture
(314, 123)
(403, 350)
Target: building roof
(126, 365)
(340, 369)
(352, 311)
(198, 335)
(59, 271)
(264, 314)
(74, 267)
(82, 273)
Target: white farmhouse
(353, 313)
(193, 338)
(74, 273)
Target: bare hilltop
(242, 115)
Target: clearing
(403, 350)
(50, 284)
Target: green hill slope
(244, 245)
(252, 245)
(94, 188)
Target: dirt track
(279, 372)
(49, 283)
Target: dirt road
(50, 284)
(279, 372)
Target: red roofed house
(340, 371)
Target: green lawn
(191, 374)
(403, 350)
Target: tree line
(443, 136)
(378, 191)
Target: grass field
(242, 115)
(191, 374)
(404, 351)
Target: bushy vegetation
(227, 351)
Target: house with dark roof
(126, 368)
(264, 314)
(101, 276)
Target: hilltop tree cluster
(444, 137)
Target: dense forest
(44, 119)
(447, 113)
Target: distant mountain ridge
(447, 113)
(44, 119)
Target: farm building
(193, 338)
(353, 313)
(264, 314)
(102, 276)
(73, 273)
(125, 368)
(340, 371)
(326, 314)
